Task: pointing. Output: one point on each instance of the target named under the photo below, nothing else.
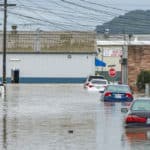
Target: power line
(105, 6)
(37, 19)
(90, 8)
(88, 18)
(68, 18)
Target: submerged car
(97, 85)
(138, 114)
(117, 93)
(89, 78)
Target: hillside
(133, 22)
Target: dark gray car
(138, 114)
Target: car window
(118, 88)
(95, 77)
(141, 105)
(99, 82)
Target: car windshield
(118, 88)
(141, 105)
(99, 82)
(95, 77)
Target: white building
(60, 57)
(50, 68)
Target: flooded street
(63, 117)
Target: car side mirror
(124, 110)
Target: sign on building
(112, 52)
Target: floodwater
(63, 117)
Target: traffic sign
(112, 72)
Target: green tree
(142, 79)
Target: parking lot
(63, 117)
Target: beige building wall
(111, 56)
(54, 42)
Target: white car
(89, 78)
(97, 85)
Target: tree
(142, 79)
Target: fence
(42, 41)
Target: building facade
(110, 52)
(49, 57)
(138, 60)
(135, 50)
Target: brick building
(138, 59)
(138, 54)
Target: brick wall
(138, 59)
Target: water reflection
(137, 138)
(39, 118)
(137, 135)
(5, 109)
(107, 104)
(134, 135)
(113, 107)
(61, 117)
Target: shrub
(142, 79)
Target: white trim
(120, 43)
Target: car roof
(95, 77)
(140, 103)
(118, 85)
(142, 98)
(118, 88)
(98, 79)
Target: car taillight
(87, 84)
(129, 95)
(135, 119)
(108, 94)
(90, 86)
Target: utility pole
(125, 61)
(5, 5)
(4, 41)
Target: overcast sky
(128, 4)
(67, 14)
